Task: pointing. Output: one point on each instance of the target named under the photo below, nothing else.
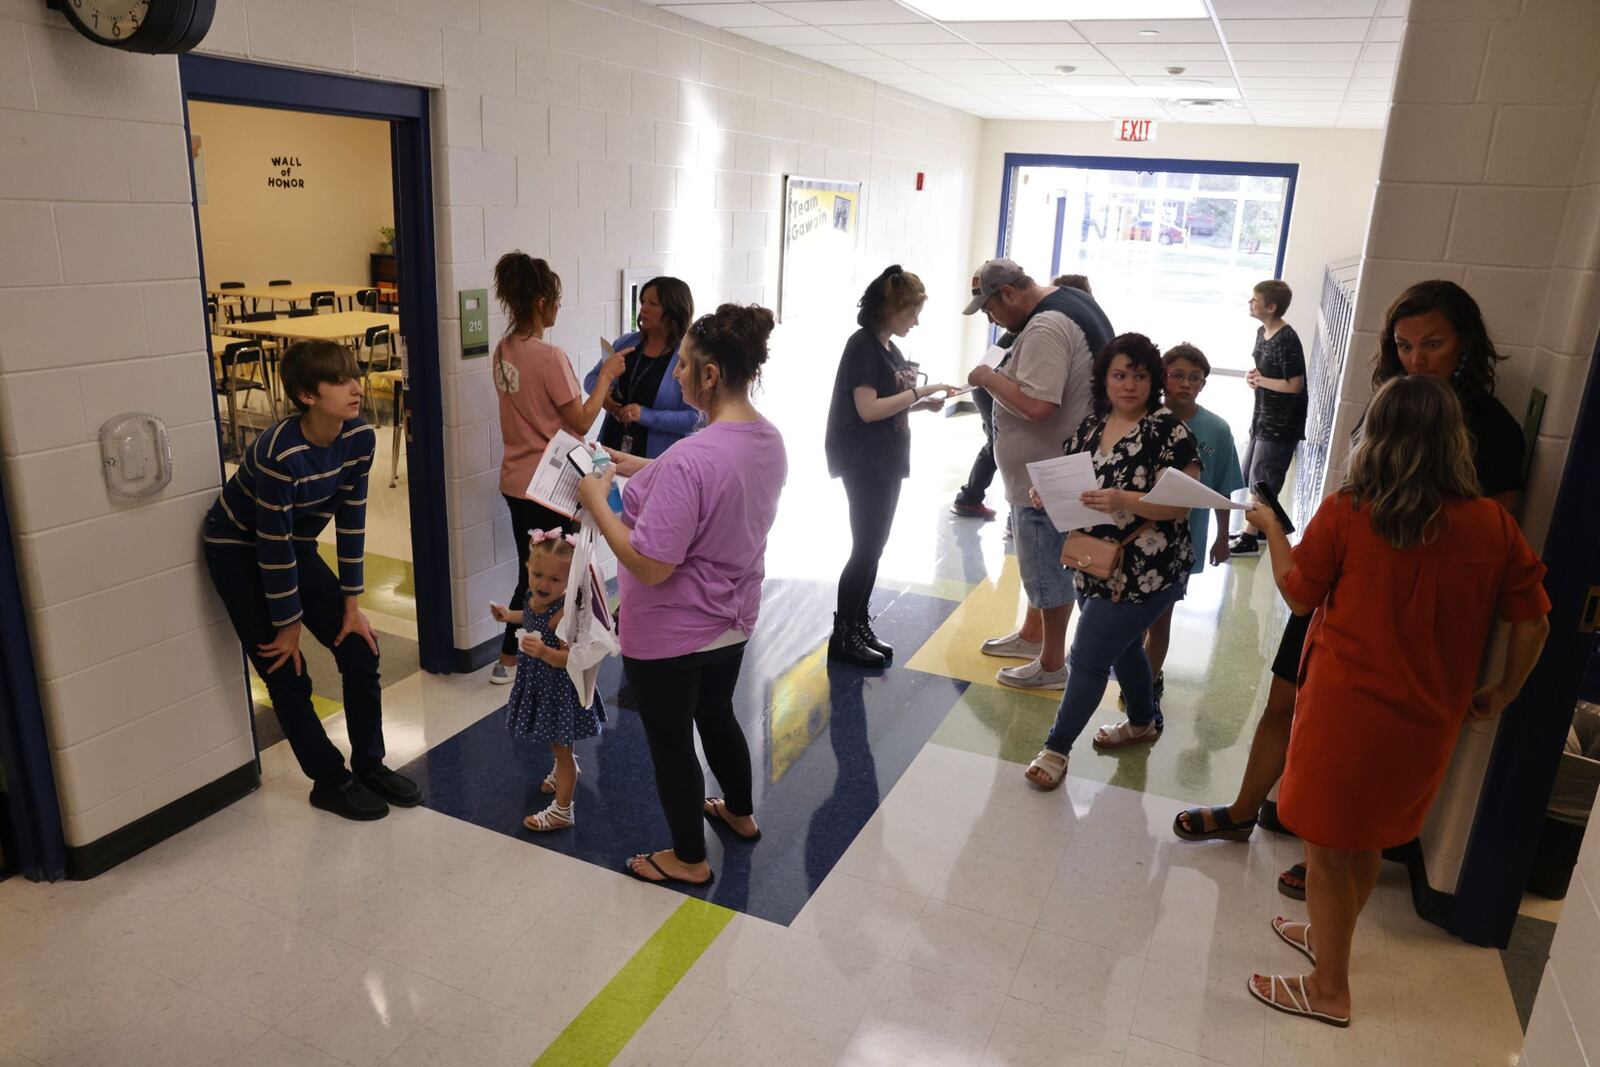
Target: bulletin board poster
(197, 159)
(821, 227)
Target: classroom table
(397, 383)
(339, 326)
(299, 293)
(219, 345)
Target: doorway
(313, 212)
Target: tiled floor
(913, 902)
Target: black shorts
(1286, 664)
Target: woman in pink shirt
(691, 544)
(539, 395)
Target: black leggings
(677, 697)
(526, 516)
(873, 498)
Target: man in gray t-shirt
(1040, 397)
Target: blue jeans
(1110, 635)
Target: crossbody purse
(1098, 557)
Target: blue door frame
(1528, 745)
(406, 110)
(1014, 160)
(32, 830)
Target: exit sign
(1135, 129)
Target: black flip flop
(1293, 892)
(1226, 829)
(718, 821)
(665, 879)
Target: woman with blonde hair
(1407, 567)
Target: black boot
(847, 646)
(870, 638)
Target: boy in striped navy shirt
(261, 549)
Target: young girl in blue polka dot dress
(543, 705)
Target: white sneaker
(1012, 646)
(1032, 676)
(501, 675)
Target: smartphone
(581, 461)
(1264, 493)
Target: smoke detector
(1065, 68)
(1175, 71)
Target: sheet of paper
(1059, 483)
(1176, 489)
(994, 355)
(555, 481)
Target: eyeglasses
(1183, 378)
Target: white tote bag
(586, 623)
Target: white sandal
(548, 786)
(1123, 734)
(551, 818)
(1298, 1005)
(1051, 765)
(1302, 946)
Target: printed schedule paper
(1059, 482)
(555, 481)
(1176, 489)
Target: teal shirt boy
(1220, 472)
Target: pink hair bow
(540, 536)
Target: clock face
(110, 20)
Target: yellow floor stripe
(323, 706)
(991, 609)
(609, 1021)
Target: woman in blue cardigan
(645, 412)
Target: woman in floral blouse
(1131, 438)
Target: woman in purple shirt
(691, 543)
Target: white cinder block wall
(1491, 178)
(602, 136)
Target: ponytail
(521, 283)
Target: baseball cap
(989, 279)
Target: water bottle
(602, 462)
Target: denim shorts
(1038, 542)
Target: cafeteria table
(339, 326)
(299, 293)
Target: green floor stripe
(610, 1020)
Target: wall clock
(140, 25)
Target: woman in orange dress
(1407, 568)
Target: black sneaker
(350, 800)
(397, 789)
(1244, 545)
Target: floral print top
(1162, 555)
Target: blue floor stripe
(827, 744)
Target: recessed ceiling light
(1065, 68)
(1141, 92)
(1057, 10)
(1149, 33)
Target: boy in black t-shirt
(1279, 380)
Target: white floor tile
(751, 1033)
(924, 1019)
(1005, 886)
(368, 1012)
(817, 979)
(967, 946)
(1030, 1036)
(1085, 909)
(11, 1058)
(452, 939)
(1216, 1019)
(277, 1049)
(549, 975)
(1308, 1043)
(864, 914)
(1142, 1053)
(464, 1029)
(677, 1026)
(277, 966)
(728, 963)
(1085, 981)
(192, 1031)
(61, 1021)
(891, 852)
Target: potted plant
(386, 244)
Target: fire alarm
(919, 181)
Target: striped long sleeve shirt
(282, 496)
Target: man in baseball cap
(1041, 393)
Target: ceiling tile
(838, 12)
(1251, 84)
(874, 67)
(1247, 31)
(1295, 70)
(1388, 29)
(729, 16)
(1382, 52)
(955, 50)
(1190, 70)
(1297, 53)
(1294, 95)
(789, 36)
(1374, 70)
(1087, 68)
(1294, 9)
(895, 33)
(961, 66)
(1177, 52)
(833, 51)
(1037, 32)
(1166, 31)
(1003, 81)
(1057, 53)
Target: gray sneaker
(1012, 646)
(501, 675)
(1032, 676)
